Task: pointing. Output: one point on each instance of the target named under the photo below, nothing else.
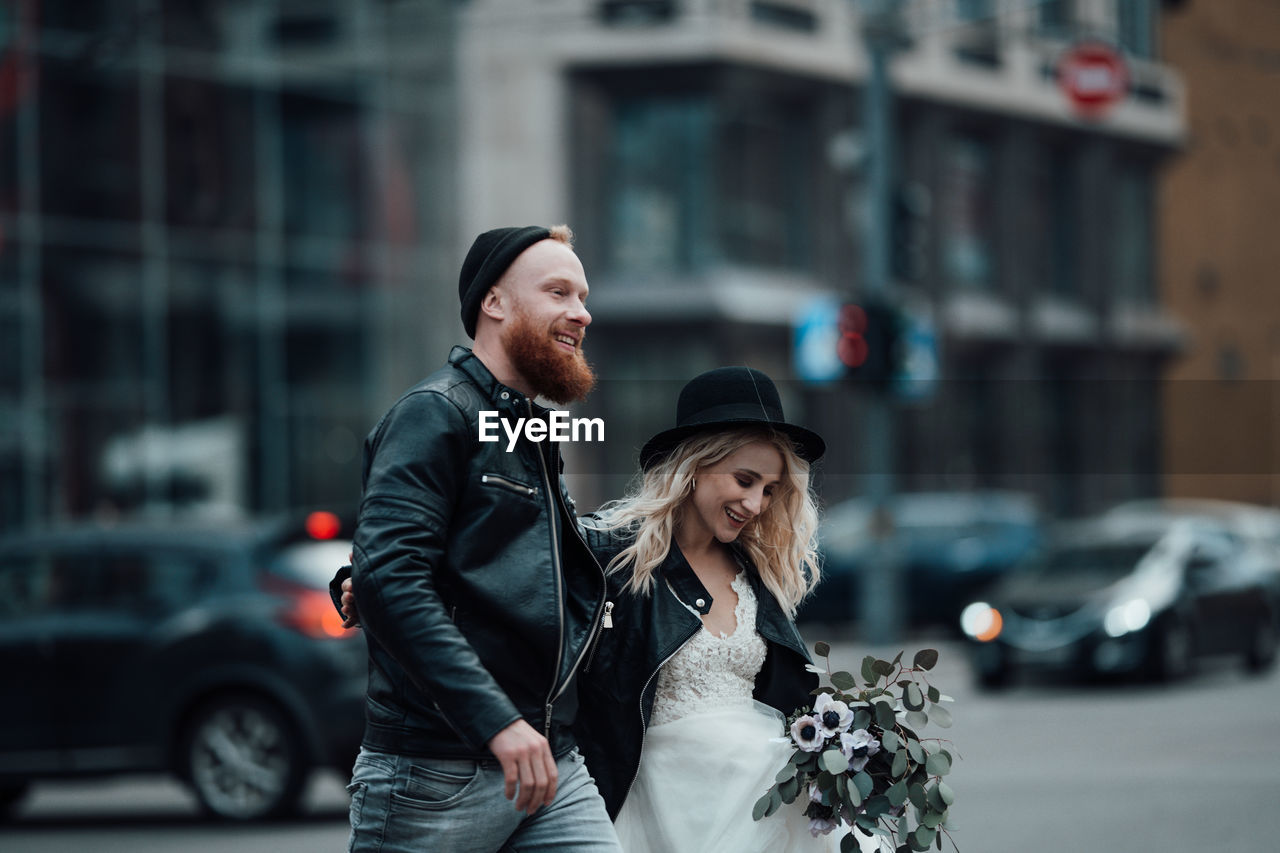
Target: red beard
(553, 373)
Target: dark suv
(213, 653)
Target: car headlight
(981, 621)
(1127, 618)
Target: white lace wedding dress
(709, 755)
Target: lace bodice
(710, 671)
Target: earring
(695, 484)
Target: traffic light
(868, 343)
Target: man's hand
(526, 761)
(350, 616)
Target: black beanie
(490, 255)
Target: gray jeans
(414, 805)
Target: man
(478, 596)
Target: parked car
(948, 546)
(1260, 525)
(1138, 593)
(213, 653)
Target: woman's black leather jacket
(617, 687)
(478, 595)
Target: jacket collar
(502, 395)
(771, 622)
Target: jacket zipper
(552, 695)
(644, 728)
(511, 485)
(557, 688)
(606, 622)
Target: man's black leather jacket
(617, 687)
(478, 596)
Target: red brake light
(308, 611)
(323, 525)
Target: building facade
(1219, 203)
(216, 219)
(710, 156)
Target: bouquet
(858, 759)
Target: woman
(707, 561)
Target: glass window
(322, 157)
(704, 179)
(1053, 220)
(95, 171)
(27, 578)
(765, 201)
(1055, 17)
(1135, 22)
(661, 183)
(973, 10)
(209, 154)
(1132, 234)
(967, 212)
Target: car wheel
(1173, 650)
(1262, 646)
(243, 760)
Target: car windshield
(1104, 564)
(312, 563)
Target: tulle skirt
(699, 778)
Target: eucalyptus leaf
(821, 649)
(861, 718)
(882, 668)
(889, 740)
(938, 764)
(935, 799)
(849, 844)
(862, 781)
(843, 680)
(934, 694)
(897, 793)
(923, 836)
(915, 793)
(877, 806)
(940, 716)
(762, 804)
(788, 772)
(825, 781)
(899, 767)
(932, 820)
(789, 790)
(884, 715)
(917, 719)
(775, 802)
(833, 761)
(926, 659)
(897, 659)
(868, 674)
(912, 698)
(945, 793)
(853, 794)
(916, 750)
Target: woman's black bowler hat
(724, 398)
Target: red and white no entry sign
(1093, 76)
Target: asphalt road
(1044, 767)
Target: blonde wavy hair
(781, 542)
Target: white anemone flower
(858, 747)
(834, 715)
(822, 826)
(806, 731)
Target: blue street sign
(814, 336)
